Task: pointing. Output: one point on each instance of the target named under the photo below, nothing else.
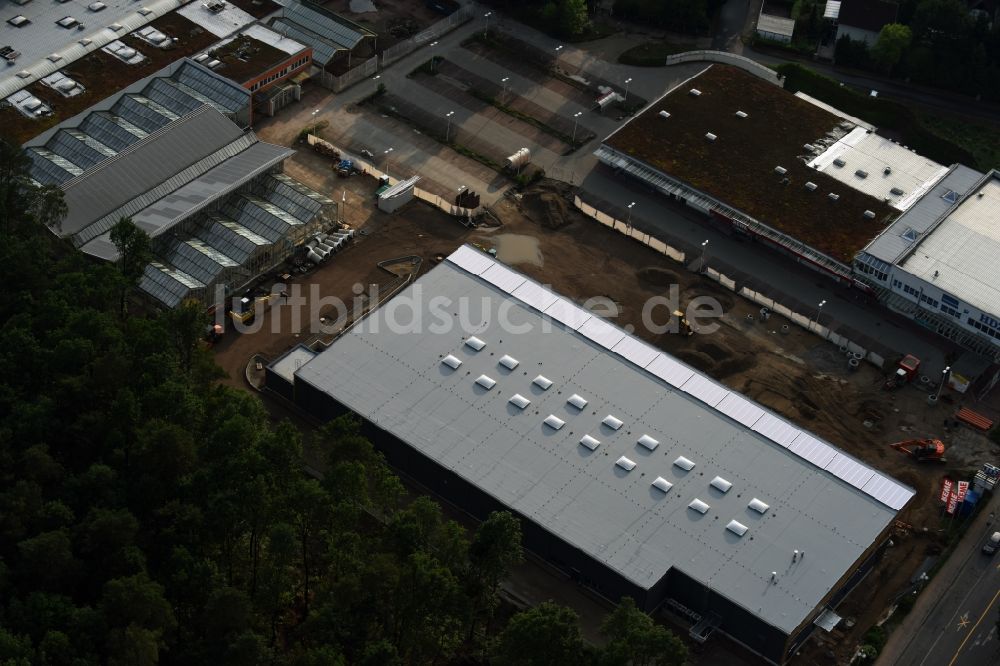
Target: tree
(48, 207)
(495, 548)
(139, 617)
(635, 640)
(573, 19)
(14, 182)
(134, 252)
(540, 636)
(893, 41)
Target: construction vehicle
(923, 450)
(683, 327)
(905, 373)
(345, 168)
(248, 307)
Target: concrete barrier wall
(651, 242)
(742, 62)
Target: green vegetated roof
(738, 167)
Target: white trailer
(519, 160)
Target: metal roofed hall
(959, 254)
(740, 167)
(821, 501)
(325, 31)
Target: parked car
(992, 544)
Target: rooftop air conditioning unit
(780, 170)
(695, 92)
(664, 114)
(833, 197)
(839, 162)
(811, 186)
(741, 114)
(861, 173)
(887, 170)
(870, 214)
(710, 136)
(898, 192)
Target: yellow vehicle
(247, 308)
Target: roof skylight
(475, 343)
(590, 442)
(648, 442)
(486, 382)
(542, 382)
(625, 464)
(577, 401)
(662, 484)
(509, 362)
(612, 422)
(451, 361)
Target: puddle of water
(518, 249)
(362, 6)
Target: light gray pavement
(953, 622)
(653, 213)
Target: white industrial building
(937, 263)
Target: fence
(350, 77)
(369, 170)
(742, 62)
(397, 51)
(875, 358)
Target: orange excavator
(924, 450)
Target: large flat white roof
(461, 403)
(220, 24)
(860, 159)
(960, 254)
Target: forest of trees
(936, 43)
(150, 515)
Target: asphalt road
(653, 213)
(954, 620)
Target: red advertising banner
(957, 495)
(946, 486)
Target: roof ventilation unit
(699, 506)
(870, 214)
(509, 362)
(85, 42)
(861, 173)
(809, 147)
(554, 422)
(625, 464)
(780, 170)
(721, 484)
(542, 382)
(741, 114)
(833, 197)
(811, 186)
(590, 442)
(486, 382)
(710, 136)
(612, 422)
(736, 527)
(839, 162)
(897, 191)
(664, 114)
(452, 362)
(758, 506)
(684, 464)
(475, 343)
(662, 484)
(145, 11)
(648, 442)
(519, 401)
(577, 401)
(695, 92)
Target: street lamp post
(386, 153)
(447, 131)
(704, 251)
(576, 117)
(432, 45)
(487, 16)
(503, 82)
(628, 219)
(944, 379)
(819, 311)
(627, 81)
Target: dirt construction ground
(794, 373)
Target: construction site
(541, 233)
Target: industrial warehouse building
(170, 152)
(937, 261)
(827, 190)
(631, 471)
